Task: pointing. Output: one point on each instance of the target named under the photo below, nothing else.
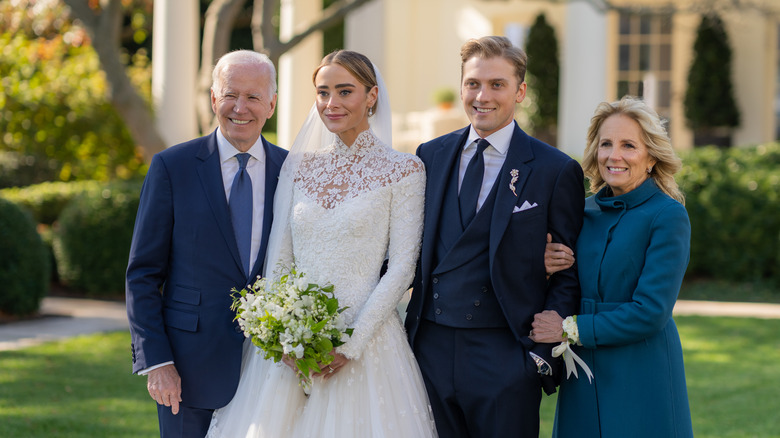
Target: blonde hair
(654, 135)
(494, 46)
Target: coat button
(238, 329)
(468, 317)
(436, 296)
(484, 289)
(438, 311)
(476, 303)
(435, 280)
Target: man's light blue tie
(241, 210)
(472, 183)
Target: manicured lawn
(76, 388)
(733, 370)
(83, 387)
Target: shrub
(92, 239)
(543, 72)
(55, 119)
(733, 199)
(24, 262)
(47, 200)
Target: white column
(364, 32)
(583, 83)
(296, 90)
(175, 68)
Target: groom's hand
(164, 385)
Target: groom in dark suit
(202, 228)
(492, 195)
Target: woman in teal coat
(632, 254)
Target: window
(645, 59)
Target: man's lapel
(518, 155)
(439, 171)
(210, 173)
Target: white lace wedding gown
(352, 208)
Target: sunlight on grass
(83, 387)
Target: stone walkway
(66, 317)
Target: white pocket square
(526, 206)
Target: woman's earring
(370, 112)
(649, 169)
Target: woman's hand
(557, 256)
(547, 327)
(329, 370)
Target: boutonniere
(514, 174)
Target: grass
(721, 290)
(731, 366)
(82, 387)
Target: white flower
(302, 283)
(570, 329)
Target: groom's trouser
(481, 382)
(188, 423)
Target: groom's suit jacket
(184, 261)
(548, 197)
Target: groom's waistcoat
(461, 293)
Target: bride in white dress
(344, 204)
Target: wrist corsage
(571, 335)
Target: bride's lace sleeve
(406, 221)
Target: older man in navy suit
(201, 230)
(493, 193)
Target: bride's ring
(331, 370)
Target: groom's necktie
(472, 183)
(241, 210)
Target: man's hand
(557, 256)
(164, 385)
(547, 327)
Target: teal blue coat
(632, 254)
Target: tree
(709, 100)
(103, 19)
(543, 76)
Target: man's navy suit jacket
(546, 177)
(183, 263)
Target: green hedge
(92, 239)
(47, 200)
(24, 262)
(733, 200)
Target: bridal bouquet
(293, 317)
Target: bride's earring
(370, 112)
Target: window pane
(644, 57)
(622, 89)
(624, 57)
(645, 22)
(625, 24)
(666, 24)
(665, 57)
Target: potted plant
(444, 97)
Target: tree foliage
(55, 120)
(543, 72)
(709, 98)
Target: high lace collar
(365, 142)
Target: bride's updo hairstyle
(357, 64)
